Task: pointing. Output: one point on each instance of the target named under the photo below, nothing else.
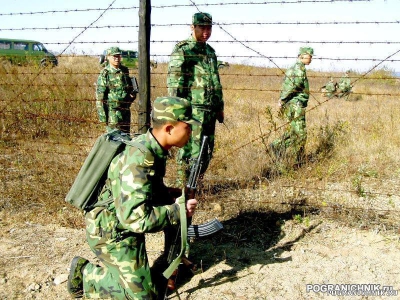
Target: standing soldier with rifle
(193, 75)
(115, 93)
(135, 201)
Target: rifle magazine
(205, 229)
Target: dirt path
(241, 262)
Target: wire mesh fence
(53, 108)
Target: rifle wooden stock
(172, 280)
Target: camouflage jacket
(135, 182)
(344, 84)
(330, 86)
(295, 85)
(113, 90)
(193, 75)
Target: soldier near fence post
(193, 75)
(344, 86)
(114, 93)
(293, 102)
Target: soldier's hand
(220, 116)
(191, 205)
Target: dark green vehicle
(23, 52)
(129, 59)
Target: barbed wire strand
(374, 67)
(181, 5)
(328, 74)
(31, 100)
(316, 23)
(220, 56)
(67, 11)
(41, 70)
(236, 41)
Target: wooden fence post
(144, 66)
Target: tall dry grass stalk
(48, 124)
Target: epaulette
(104, 71)
(148, 159)
(182, 43)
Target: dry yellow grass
(48, 124)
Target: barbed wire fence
(11, 80)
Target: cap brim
(192, 122)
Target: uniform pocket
(101, 223)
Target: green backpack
(93, 173)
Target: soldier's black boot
(75, 278)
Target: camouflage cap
(113, 51)
(202, 19)
(173, 109)
(306, 50)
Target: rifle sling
(182, 211)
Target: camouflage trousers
(126, 271)
(293, 141)
(119, 118)
(191, 150)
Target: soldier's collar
(155, 145)
(114, 70)
(196, 44)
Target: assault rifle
(174, 257)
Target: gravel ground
(270, 259)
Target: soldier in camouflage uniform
(193, 75)
(138, 203)
(344, 86)
(330, 88)
(114, 93)
(293, 102)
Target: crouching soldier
(134, 188)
